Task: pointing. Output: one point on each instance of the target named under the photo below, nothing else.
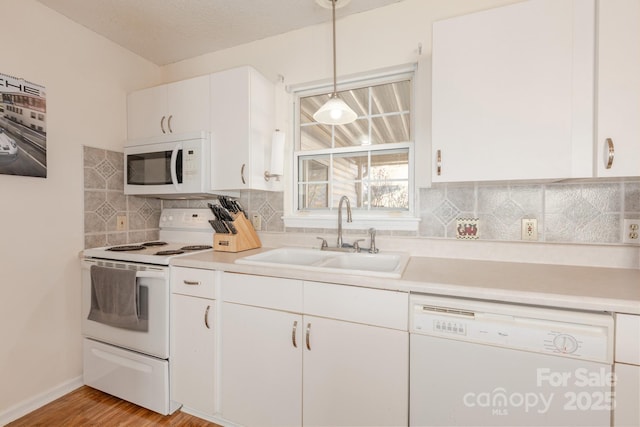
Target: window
(370, 160)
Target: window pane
(389, 195)
(313, 168)
(388, 129)
(391, 97)
(353, 190)
(391, 164)
(356, 133)
(313, 196)
(357, 99)
(315, 137)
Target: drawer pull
(308, 335)
(439, 163)
(191, 282)
(162, 125)
(293, 334)
(206, 317)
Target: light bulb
(336, 113)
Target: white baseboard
(30, 405)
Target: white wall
(86, 79)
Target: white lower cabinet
(193, 340)
(261, 366)
(283, 367)
(626, 412)
(354, 375)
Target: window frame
(383, 219)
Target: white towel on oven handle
(115, 298)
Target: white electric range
(182, 232)
(125, 310)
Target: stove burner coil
(126, 248)
(170, 252)
(196, 247)
(149, 244)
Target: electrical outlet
(631, 231)
(529, 229)
(121, 222)
(256, 221)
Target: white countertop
(565, 286)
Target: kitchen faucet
(343, 199)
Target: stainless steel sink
(384, 264)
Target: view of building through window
(367, 160)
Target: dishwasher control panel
(569, 333)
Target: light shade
(335, 112)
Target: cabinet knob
(610, 152)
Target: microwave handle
(174, 161)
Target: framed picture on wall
(23, 127)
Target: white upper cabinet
(175, 108)
(618, 101)
(242, 126)
(513, 93)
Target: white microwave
(172, 166)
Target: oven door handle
(174, 171)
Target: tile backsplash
(104, 201)
(587, 213)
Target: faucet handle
(372, 234)
(324, 244)
(356, 246)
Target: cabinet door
(230, 124)
(618, 87)
(193, 352)
(627, 396)
(188, 105)
(261, 366)
(354, 375)
(146, 110)
(513, 93)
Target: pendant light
(335, 111)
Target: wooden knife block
(246, 238)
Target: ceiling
(168, 31)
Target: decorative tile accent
(106, 211)
(105, 169)
(266, 211)
(446, 212)
(508, 212)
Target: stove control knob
(565, 343)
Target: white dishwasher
(481, 363)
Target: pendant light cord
(333, 7)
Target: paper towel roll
(277, 153)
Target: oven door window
(152, 168)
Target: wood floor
(89, 407)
